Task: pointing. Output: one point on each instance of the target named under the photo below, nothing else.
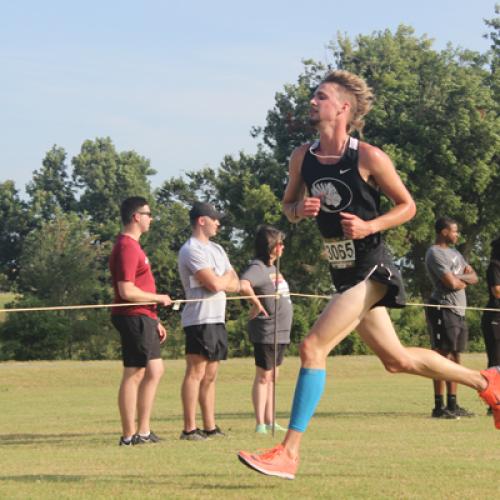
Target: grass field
(372, 437)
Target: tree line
(436, 114)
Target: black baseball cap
(201, 209)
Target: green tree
(105, 178)
(51, 188)
(14, 225)
(60, 265)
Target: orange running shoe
(491, 395)
(273, 462)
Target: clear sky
(180, 82)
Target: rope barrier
(177, 302)
(126, 304)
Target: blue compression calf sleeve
(308, 392)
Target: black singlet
(342, 189)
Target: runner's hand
(308, 207)
(353, 227)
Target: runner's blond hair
(358, 93)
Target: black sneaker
(462, 412)
(444, 413)
(196, 435)
(214, 432)
(122, 442)
(151, 438)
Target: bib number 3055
(340, 254)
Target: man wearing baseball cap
(205, 273)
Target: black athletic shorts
(209, 340)
(448, 331)
(375, 263)
(264, 355)
(139, 338)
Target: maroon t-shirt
(128, 262)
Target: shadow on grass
(161, 481)
(17, 439)
(36, 478)
(361, 413)
(229, 487)
(335, 414)
(224, 487)
(219, 415)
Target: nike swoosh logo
(344, 171)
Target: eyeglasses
(149, 214)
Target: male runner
(338, 181)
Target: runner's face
(326, 104)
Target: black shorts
(264, 355)
(139, 338)
(209, 340)
(448, 331)
(376, 264)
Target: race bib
(340, 254)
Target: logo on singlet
(335, 195)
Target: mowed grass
(372, 437)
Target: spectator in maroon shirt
(141, 333)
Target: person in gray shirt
(266, 316)
(450, 274)
(207, 275)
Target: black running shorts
(376, 264)
(208, 340)
(139, 339)
(264, 355)
(448, 331)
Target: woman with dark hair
(490, 323)
(260, 279)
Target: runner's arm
(295, 204)
(377, 165)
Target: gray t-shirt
(438, 261)
(195, 255)
(261, 329)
